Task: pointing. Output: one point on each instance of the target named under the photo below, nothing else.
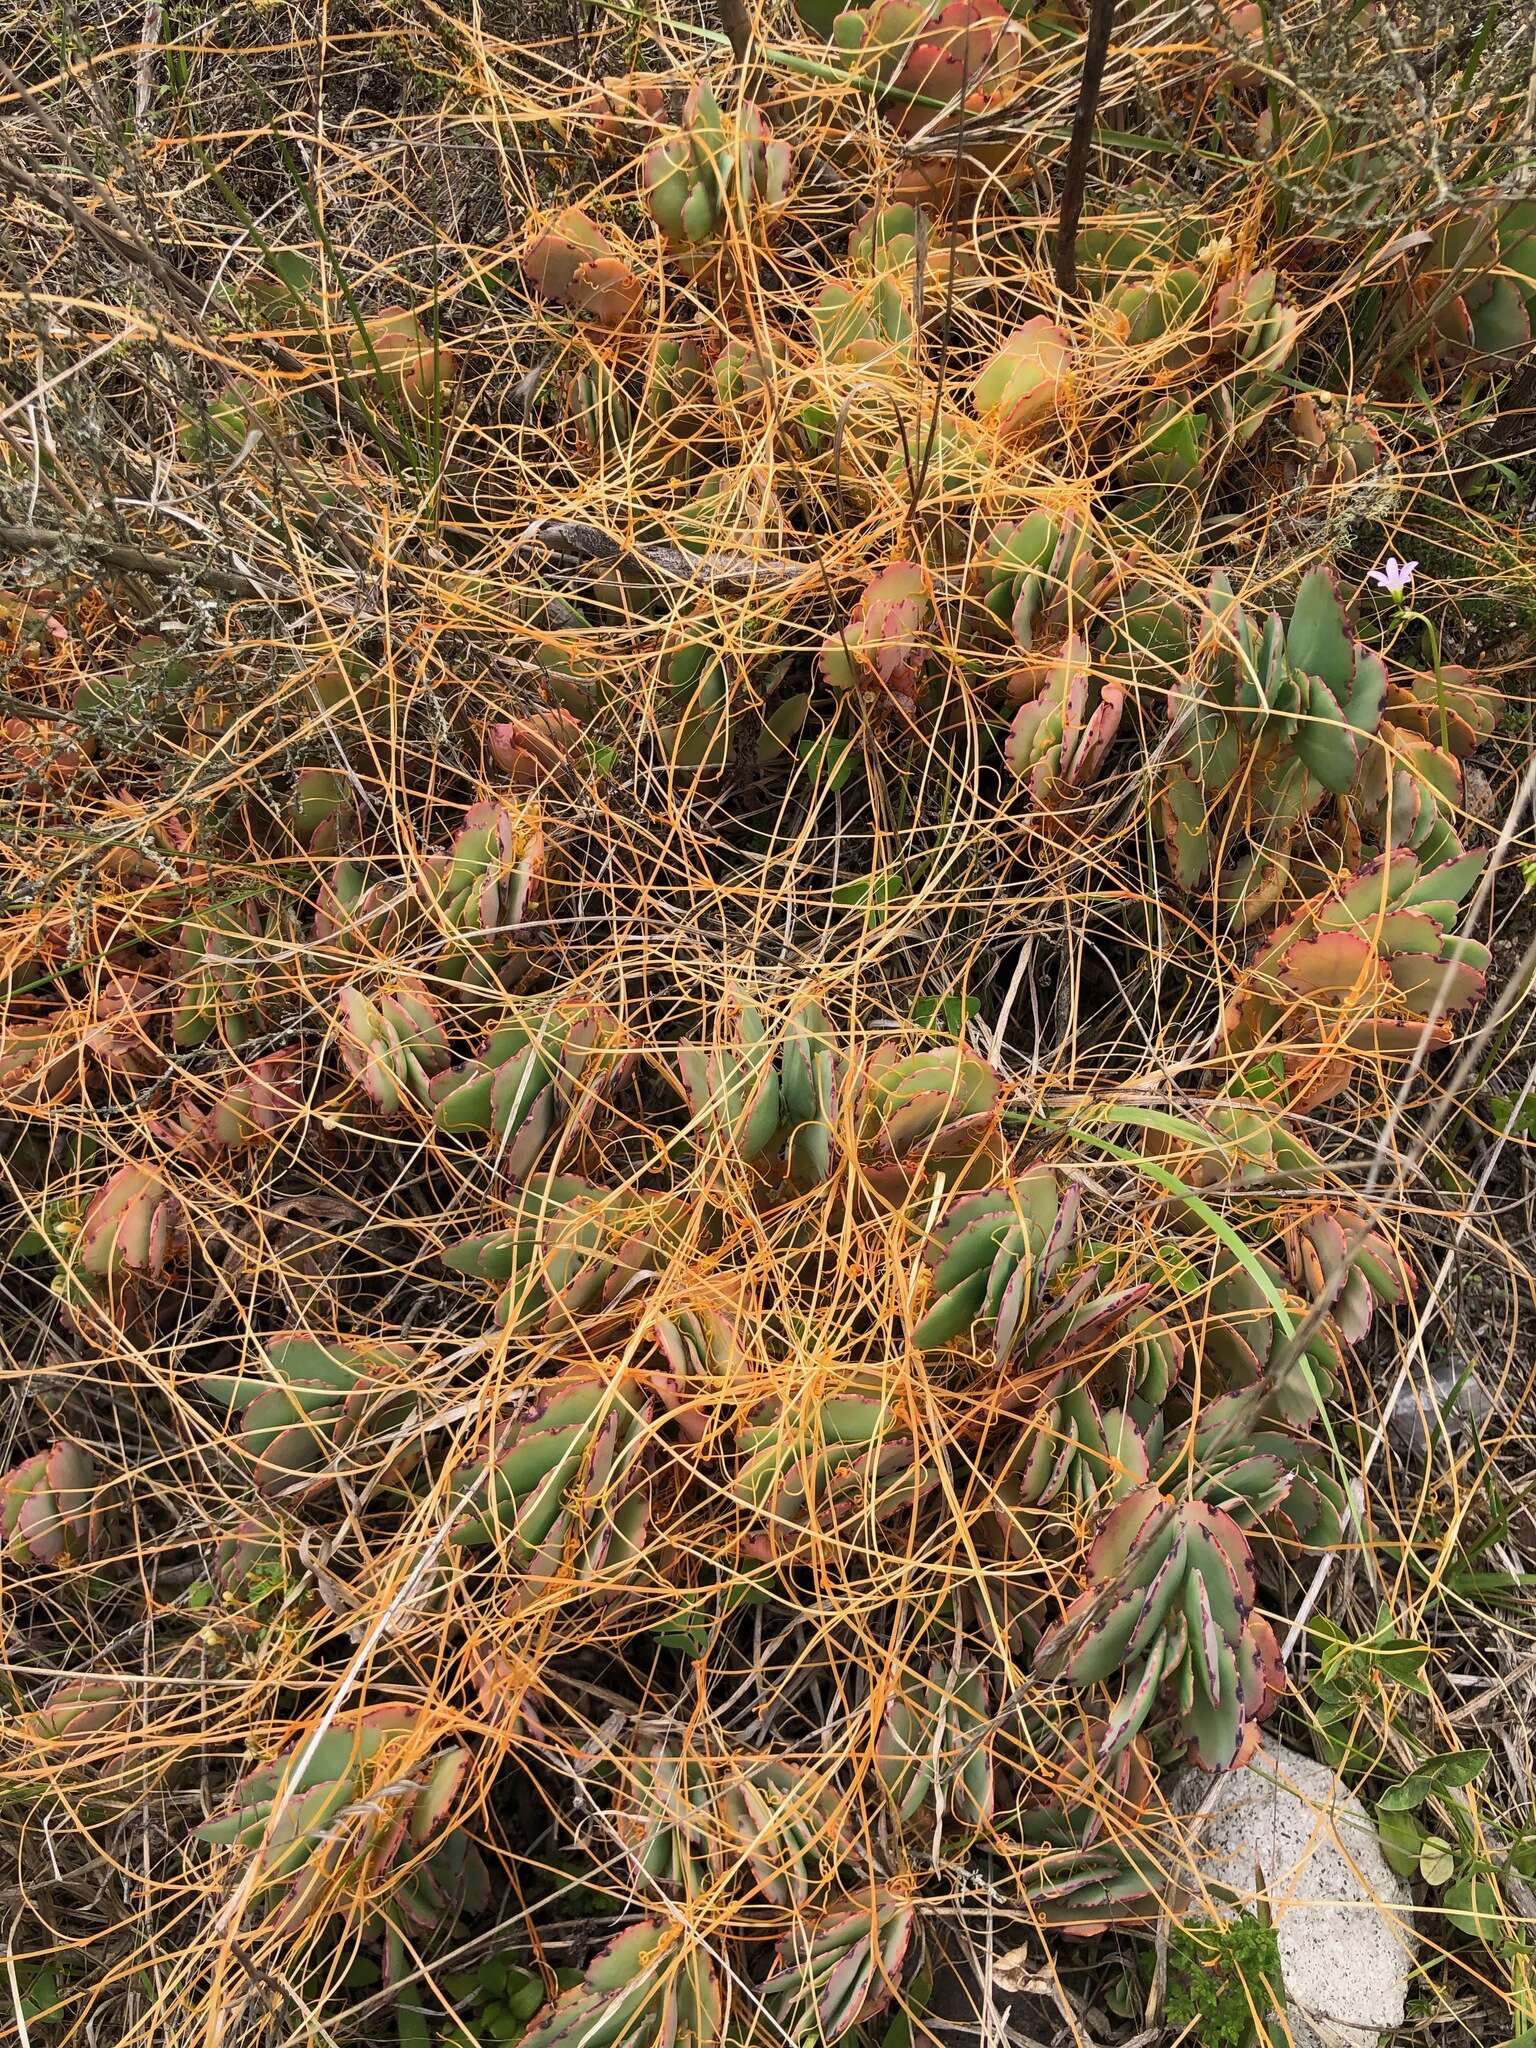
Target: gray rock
(1342, 1917)
(1439, 1410)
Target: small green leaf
(41, 1994)
(1440, 1774)
(951, 1013)
(1437, 1861)
(877, 891)
(1472, 1905)
(525, 1994)
(829, 757)
(1402, 1840)
(781, 725)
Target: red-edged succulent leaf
(530, 748)
(1022, 384)
(392, 1043)
(573, 264)
(1330, 966)
(883, 647)
(132, 1226)
(48, 1506)
(840, 1969)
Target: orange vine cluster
(735, 953)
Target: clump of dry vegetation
(764, 1051)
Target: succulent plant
(866, 323)
(1070, 1451)
(841, 1968)
(744, 377)
(732, 1085)
(674, 402)
(133, 1227)
(392, 1044)
(82, 1707)
(566, 1483)
(937, 464)
(533, 1079)
(114, 1036)
(1165, 469)
(605, 118)
(574, 1251)
(754, 1826)
(1045, 579)
(1446, 706)
(698, 1345)
(1371, 968)
(921, 1115)
(1256, 332)
(1240, 1336)
(1152, 273)
(1099, 1861)
(359, 912)
(39, 1063)
(599, 408)
(1271, 1481)
(317, 1411)
(248, 1559)
(483, 889)
(252, 1104)
(1024, 382)
(843, 1468)
(398, 359)
(1056, 744)
(1137, 236)
(336, 1817)
(889, 240)
(1472, 295)
(992, 1258)
(933, 1752)
(1233, 1141)
(226, 973)
(1408, 792)
(1336, 445)
(217, 428)
(538, 744)
(1152, 305)
(808, 1085)
(653, 1986)
(926, 56)
(575, 265)
(345, 686)
(1169, 1601)
(323, 809)
(715, 171)
(287, 295)
(1326, 1243)
(1153, 1352)
(693, 717)
(93, 1760)
(1270, 721)
(881, 651)
(50, 1509)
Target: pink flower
(1393, 575)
